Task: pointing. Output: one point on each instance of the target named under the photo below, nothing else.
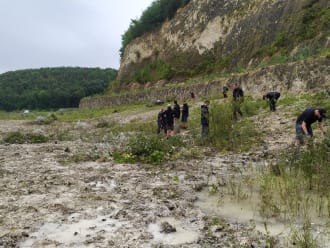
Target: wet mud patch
(76, 232)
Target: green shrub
(14, 138)
(36, 138)
(152, 148)
(153, 72)
(29, 138)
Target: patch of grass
(228, 134)
(279, 59)
(27, 138)
(299, 184)
(304, 237)
(72, 114)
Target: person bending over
(304, 123)
(272, 97)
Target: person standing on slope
(238, 96)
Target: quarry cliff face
(230, 32)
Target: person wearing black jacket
(225, 91)
(169, 121)
(161, 121)
(238, 96)
(272, 97)
(185, 114)
(305, 120)
(176, 115)
(205, 119)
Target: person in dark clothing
(185, 114)
(169, 121)
(272, 97)
(305, 120)
(192, 95)
(205, 119)
(161, 121)
(238, 96)
(225, 91)
(176, 113)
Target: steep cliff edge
(220, 35)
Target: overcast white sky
(52, 33)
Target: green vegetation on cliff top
(151, 18)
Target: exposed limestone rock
(236, 29)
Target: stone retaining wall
(297, 77)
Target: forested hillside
(48, 88)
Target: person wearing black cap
(306, 119)
(272, 96)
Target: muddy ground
(58, 194)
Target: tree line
(51, 88)
(151, 18)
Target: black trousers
(272, 105)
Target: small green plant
(213, 189)
(157, 157)
(175, 178)
(123, 157)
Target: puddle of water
(238, 212)
(73, 234)
(184, 234)
(244, 211)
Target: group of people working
(168, 120)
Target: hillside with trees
(49, 88)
